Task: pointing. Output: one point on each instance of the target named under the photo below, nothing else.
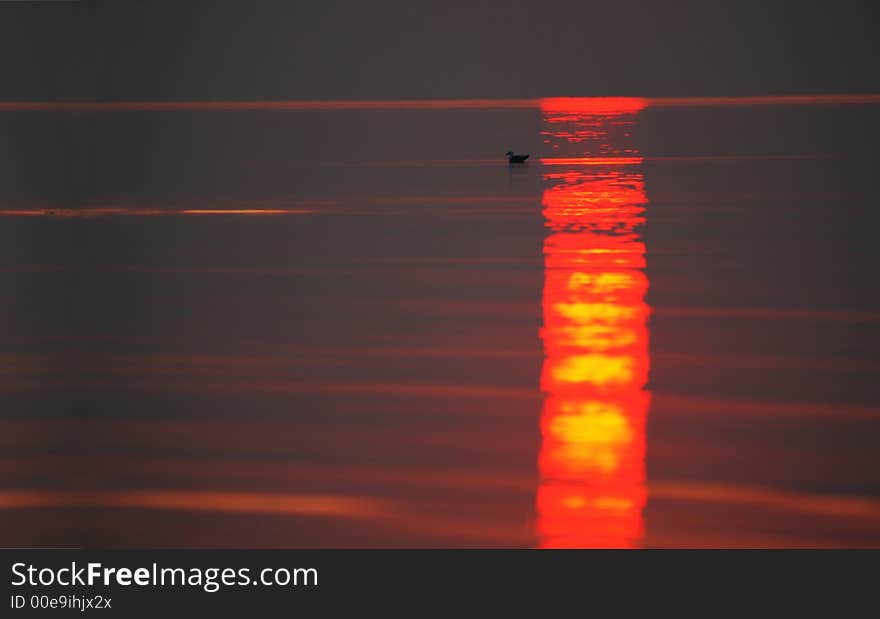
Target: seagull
(511, 158)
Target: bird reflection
(592, 458)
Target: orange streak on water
(584, 107)
(143, 212)
(245, 211)
(590, 161)
(841, 99)
(573, 105)
(22, 213)
(194, 500)
(385, 104)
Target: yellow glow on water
(586, 313)
(613, 503)
(599, 283)
(592, 435)
(595, 337)
(597, 368)
(574, 502)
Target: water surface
(327, 325)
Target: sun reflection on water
(592, 459)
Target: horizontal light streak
(253, 211)
(197, 500)
(585, 111)
(564, 105)
(281, 105)
(765, 100)
(591, 161)
(144, 212)
(726, 158)
(684, 405)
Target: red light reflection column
(592, 459)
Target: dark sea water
(331, 327)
